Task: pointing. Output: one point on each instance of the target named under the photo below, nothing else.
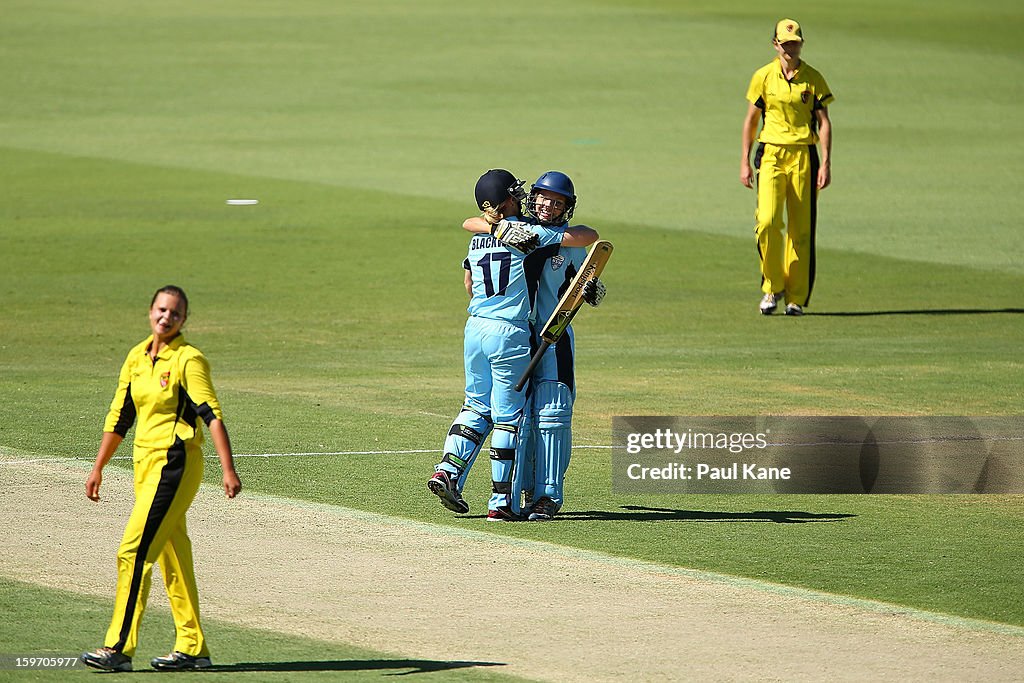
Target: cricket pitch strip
(426, 591)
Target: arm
(198, 384)
(467, 280)
(825, 135)
(119, 420)
(222, 443)
(579, 236)
(108, 445)
(476, 224)
(575, 236)
(515, 234)
(749, 129)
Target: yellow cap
(787, 31)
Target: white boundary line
(318, 454)
(949, 439)
(312, 454)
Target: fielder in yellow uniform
(164, 389)
(791, 98)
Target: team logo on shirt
(556, 261)
(805, 95)
(164, 379)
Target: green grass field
(333, 311)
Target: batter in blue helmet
(551, 202)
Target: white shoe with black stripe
(770, 301)
(107, 659)
(179, 661)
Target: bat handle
(532, 366)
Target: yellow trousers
(166, 482)
(787, 178)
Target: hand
(516, 235)
(92, 485)
(747, 175)
(232, 484)
(824, 176)
(593, 292)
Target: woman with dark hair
(164, 389)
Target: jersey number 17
(504, 262)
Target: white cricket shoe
(769, 302)
(179, 661)
(107, 659)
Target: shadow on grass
(417, 666)
(637, 513)
(923, 311)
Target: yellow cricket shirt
(787, 106)
(167, 395)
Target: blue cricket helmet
(558, 182)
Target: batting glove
(594, 291)
(516, 235)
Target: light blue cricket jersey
(556, 276)
(505, 281)
(558, 273)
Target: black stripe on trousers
(564, 360)
(170, 481)
(815, 165)
(757, 176)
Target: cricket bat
(568, 305)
